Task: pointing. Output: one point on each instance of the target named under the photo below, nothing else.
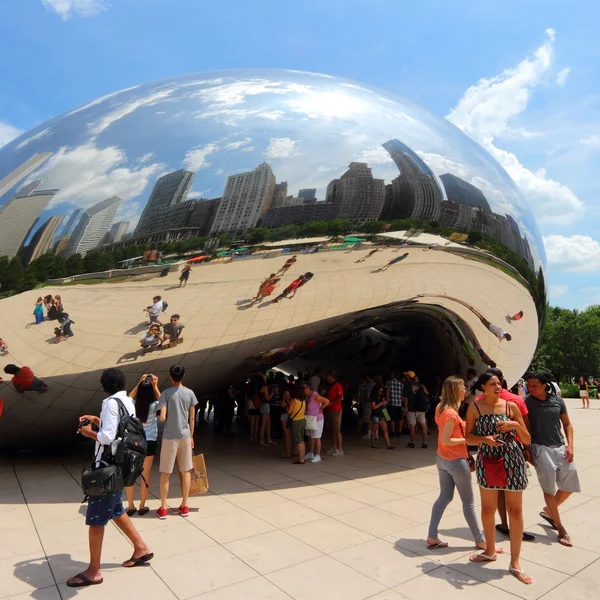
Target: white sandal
(485, 557)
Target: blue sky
(520, 77)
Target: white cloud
(485, 112)
(238, 144)
(8, 133)
(195, 159)
(574, 253)
(85, 175)
(126, 108)
(281, 148)
(558, 290)
(591, 140)
(33, 138)
(562, 76)
(376, 156)
(80, 8)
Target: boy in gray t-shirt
(177, 412)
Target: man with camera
(102, 509)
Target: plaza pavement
(349, 528)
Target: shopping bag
(199, 476)
(386, 414)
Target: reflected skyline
(307, 127)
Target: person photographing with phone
(146, 396)
(492, 424)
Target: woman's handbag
(471, 462)
(311, 423)
(495, 472)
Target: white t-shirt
(156, 308)
(497, 331)
(109, 419)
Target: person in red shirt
(505, 394)
(290, 288)
(24, 380)
(335, 395)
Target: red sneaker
(161, 513)
(184, 511)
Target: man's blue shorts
(102, 509)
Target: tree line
(570, 343)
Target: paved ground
(350, 528)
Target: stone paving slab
(350, 528)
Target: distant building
(28, 167)
(416, 193)
(457, 216)
(71, 222)
(358, 195)
(118, 230)
(246, 198)
(62, 245)
(462, 192)
(42, 239)
(19, 215)
(308, 194)
(203, 215)
(92, 226)
(279, 194)
(169, 191)
(299, 214)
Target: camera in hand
(149, 377)
(86, 422)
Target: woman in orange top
(453, 464)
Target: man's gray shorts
(553, 470)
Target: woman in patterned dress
(492, 424)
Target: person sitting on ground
(24, 380)
(155, 310)
(3, 347)
(151, 340)
(52, 310)
(65, 324)
(59, 305)
(172, 332)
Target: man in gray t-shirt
(552, 456)
(177, 412)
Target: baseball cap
(410, 374)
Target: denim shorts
(102, 509)
(375, 419)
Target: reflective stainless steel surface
(268, 149)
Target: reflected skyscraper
(72, 222)
(19, 215)
(92, 226)
(279, 195)
(41, 242)
(246, 198)
(357, 194)
(416, 193)
(462, 192)
(28, 167)
(169, 191)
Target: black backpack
(422, 401)
(165, 306)
(132, 447)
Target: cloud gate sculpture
(409, 229)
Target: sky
(520, 77)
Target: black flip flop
(298, 462)
(138, 562)
(84, 581)
(143, 511)
(548, 519)
(131, 512)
